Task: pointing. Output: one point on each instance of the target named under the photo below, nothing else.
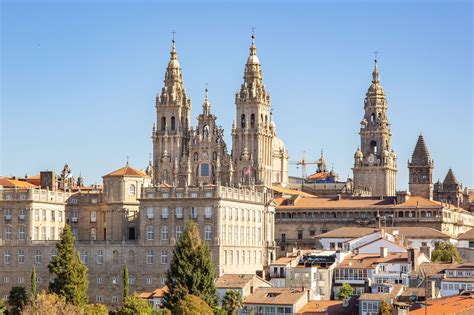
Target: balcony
(21, 217)
(8, 217)
(74, 219)
(179, 216)
(150, 216)
(165, 216)
(208, 216)
(93, 220)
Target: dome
(253, 60)
(173, 64)
(277, 144)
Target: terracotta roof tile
(275, 296)
(127, 171)
(457, 304)
(9, 182)
(293, 192)
(233, 280)
(469, 235)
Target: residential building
(245, 284)
(275, 301)
(457, 279)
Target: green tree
(345, 292)
(133, 304)
(232, 301)
(95, 309)
(125, 281)
(191, 270)
(17, 299)
(71, 274)
(385, 308)
(33, 283)
(191, 305)
(445, 252)
(2, 306)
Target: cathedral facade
(184, 155)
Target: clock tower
(375, 162)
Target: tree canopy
(191, 305)
(17, 299)
(445, 252)
(345, 292)
(133, 304)
(50, 303)
(232, 301)
(191, 270)
(71, 274)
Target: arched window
(266, 119)
(131, 189)
(214, 156)
(115, 256)
(195, 156)
(205, 169)
(372, 117)
(373, 146)
(242, 121)
(252, 121)
(131, 256)
(163, 123)
(173, 123)
(205, 131)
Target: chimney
(432, 290)
(413, 257)
(383, 252)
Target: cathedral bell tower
(171, 132)
(253, 130)
(420, 170)
(375, 163)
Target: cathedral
(184, 155)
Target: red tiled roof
(458, 304)
(127, 171)
(9, 182)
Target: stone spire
(206, 106)
(420, 155)
(173, 89)
(253, 87)
(450, 178)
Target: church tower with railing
(375, 163)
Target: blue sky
(78, 80)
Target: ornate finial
(149, 158)
(253, 33)
(174, 33)
(206, 107)
(375, 73)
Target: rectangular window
(21, 279)
(52, 235)
(208, 212)
(164, 257)
(6, 256)
(98, 298)
(38, 257)
(164, 213)
(150, 256)
(52, 254)
(93, 216)
(60, 216)
(150, 213)
(43, 215)
(179, 213)
(208, 232)
(115, 280)
(300, 236)
(150, 232)
(114, 299)
(179, 231)
(193, 213)
(43, 233)
(8, 232)
(21, 214)
(53, 216)
(205, 169)
(22, 232)
(84, 254)
(6, 279)
(148, 280)
(100, 257)
(21, 256)
(37, 215)
(37, 233)
(164, 233)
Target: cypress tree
(191, 270)
(33, 283)
(125, 281)
(71, 274)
